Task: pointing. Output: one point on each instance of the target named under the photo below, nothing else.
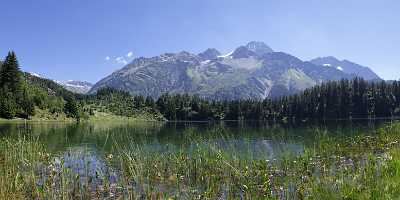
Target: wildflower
(57, 161)
(245, 187)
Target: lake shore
(99, 117)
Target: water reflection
(265, 140)
(86, 164)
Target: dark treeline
(345, 99)
(22, 94)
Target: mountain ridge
(347, 66)
(251, 71)
(80, 87)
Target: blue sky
(73, 39)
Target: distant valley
(80, 87)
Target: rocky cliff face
(252, 71)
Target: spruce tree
(27, 105)
(72, 108)
(7, 106)
(10, 74)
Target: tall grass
(356, 167)
(18, 161)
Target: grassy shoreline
(99, 117)
(358, 167)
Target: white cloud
(130, 54)
(121, 60)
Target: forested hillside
(345, 99)
(23, 95)
(120, 103)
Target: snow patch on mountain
(36, 74)
(81, 87)
(229, 55)
(347, 67)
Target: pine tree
(10, 74)
(27, 105)
(72, 108)
(1, 65)
(150, 102)
(7, 106)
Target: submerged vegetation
(352, 167)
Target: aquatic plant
(353, 167)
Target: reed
(356, 167)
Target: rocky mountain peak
(242, 52)
(260, 48)
(185, 56)
(209, 54)
(326, 61)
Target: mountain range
(251, 71)
(80, 87)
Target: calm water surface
(263, 139)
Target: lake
(264, 139)
(87, 148)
